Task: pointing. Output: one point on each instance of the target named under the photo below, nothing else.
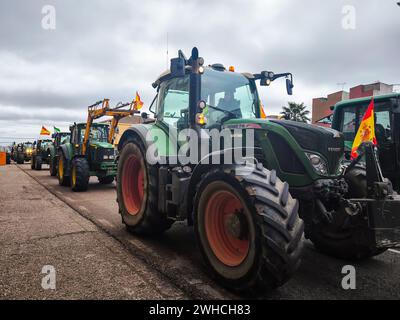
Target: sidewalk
(37, 229)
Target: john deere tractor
(40, 153)
(249, 214)
(90, 151)
(22, 152)
(59, 138)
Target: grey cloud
(102, 48)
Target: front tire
(20, 159)
(38, 163)
(248, 229)
(80, 174)
(137, 192)
(63, 179)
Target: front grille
(327, 142)
(287, 158)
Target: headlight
(318, 163)
(108, 157)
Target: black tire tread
(153, 222)
(280, 226)
(81, 166)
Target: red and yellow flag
(138, 104)
(366, 131)
(44, 131)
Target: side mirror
(289, 86)
(178, 67)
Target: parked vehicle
(347, 116)
(40, 153)
(59, 138)
(248, 218)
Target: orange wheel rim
(133, 185)
(226, 228)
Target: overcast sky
(110, 49)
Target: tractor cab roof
(216, 66)
(357, 101)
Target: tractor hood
(100, 144)
(307, 139)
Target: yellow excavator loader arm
(101, 109)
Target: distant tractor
(40, 153)
(347, 116)
(248, 216)
(59, 138)
(90, 151)
(22, 152)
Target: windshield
(97, 133)
(28, 145)
(229, 91)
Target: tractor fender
(137, 130)
(52, 151)
(204, 166)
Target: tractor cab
(348, 115)
(98, 149)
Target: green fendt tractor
(40, 153)
(347, 116)
(91, 151)
(248, 215)
(59, 138)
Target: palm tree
(295, 112)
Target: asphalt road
(174, 254)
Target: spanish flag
(366, 131)
(138, 104)
(44, 131)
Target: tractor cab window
(97, 133)
(349, 123)
(383, 128)
(64, 139)
(353, 115)
(173, 102)
(229, 91)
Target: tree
(295, 112)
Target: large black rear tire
(347, 237)
(80, 174)
(257, 247)
(137, 191)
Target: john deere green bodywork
(100, 154)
